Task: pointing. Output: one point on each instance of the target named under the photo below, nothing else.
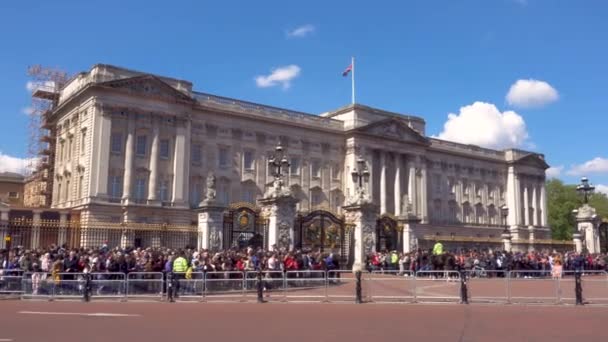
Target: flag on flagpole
(347, 70)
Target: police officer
(180, 266)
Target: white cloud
(483, 124)
(301, 32)
(602, 188)
(531, 93)
(33, 85)
(279, 76)
(13, 164)
(554, 171)
(595, 165)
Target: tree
(561, 200)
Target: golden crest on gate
(243, 219)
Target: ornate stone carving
(215, 240)
(211, 193)
(284, 239)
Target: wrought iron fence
(31, 234)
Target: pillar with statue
(587, 235)
(279, 205)
(362, 214)
(210, 218)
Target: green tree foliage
(561, 200)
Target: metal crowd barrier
(476, 286)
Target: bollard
(578, 288)
(260, 287)
(87, 287)
(464, 292)
(170, 287)
(358, 296)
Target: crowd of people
(59, 260)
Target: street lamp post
(585, 189)
(278, 162)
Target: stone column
(363, 217)
(4, 215)
(397, 185)
(36, 222)
(513, 201)
(153, 181)
(506, 241)
(587, 225)
(382, 182)
(63, 228)
(543, 205)
(424, 213)
(179, 166)
(411, 188)
(211, 227)
(526, 207)
(534, 206)
(129, 152)
(100, 153)
(280, 211)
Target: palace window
(335, 171)
(69, 148)
(163, 191)
(67, 189)
(195, 195)
(59, 194)
(316, 169)
(197, 153)
(83, 141)
(223, 192)
(164, 148)
(81, 187)
(248, 160)
(140, 149)
(294, 167)
(140, 189)
(13, 194)
(248, 195)
(116, 187)
(223, 157)
(116, 142)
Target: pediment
(532, 160)
(395, 129)
(150, 86)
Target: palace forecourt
(148, 153)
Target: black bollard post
(170, 287)
(358, 295)
(464, 291)
(578, 288)
(87, 287)
(260, 287)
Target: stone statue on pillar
(210, 218)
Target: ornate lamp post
(585, 189)
(278, 162)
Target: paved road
(113, 321)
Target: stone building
(137, 147)
(11, 188)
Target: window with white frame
(164, 148)
(223, 157)
(248, 160)
(294, 167)
(140, 146)
(62, 150)
(13, 194)
(248, 194)
(315, 198)
(223, 193)
(316, 168)
(59, 193)
(116, 187)
(197, 154)
(116, 142)
(81, 187)
(67, 189)
(70, 148)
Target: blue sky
(427, 58)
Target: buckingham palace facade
(137, 147)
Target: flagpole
(353, 78)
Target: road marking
(6, 339)
(94, 314)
